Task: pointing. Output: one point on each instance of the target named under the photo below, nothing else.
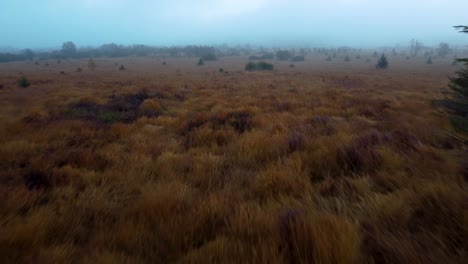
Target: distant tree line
(70, 51)
(208, 53)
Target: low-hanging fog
(358, 23)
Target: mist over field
(357, 23)
(234, 131)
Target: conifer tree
(382, 63)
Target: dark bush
(298, 58)
(123, 108)
(259, 66)
(251, 66)
(36, 180)
(283, 55)
(23, 82)
(209, 57)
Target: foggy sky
(358, 23)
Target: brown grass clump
(181, 164)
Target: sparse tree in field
(122, 68)
(346, 58)
(28, 54)
(429, 60)
(457, 105)
(68, 50)
(283, 55)
(251, 66)
(200, 62)
(382, 63)
(91, 64)
(444, 49)
(415, 47)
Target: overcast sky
(365, 23)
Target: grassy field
(323, 162)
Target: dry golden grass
(328, 162)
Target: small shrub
(91, 64)
(329, 58)
(221, 70)
(296, 141)
(346, 58)
(23, 82)
(164, 63)
(382, 63)
(292, 66)
(122, 68)
(78, 69)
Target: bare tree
(415, 47)
(444, 49)
(68, 49)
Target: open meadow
(164, 161)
